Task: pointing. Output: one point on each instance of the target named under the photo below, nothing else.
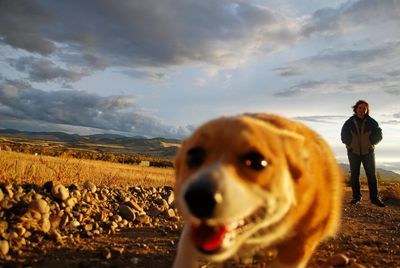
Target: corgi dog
(255, 181)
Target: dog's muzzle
(202, 198)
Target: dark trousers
(368, 162)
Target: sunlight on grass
(25, 168)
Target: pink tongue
(208, 238)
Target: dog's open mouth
(211, 238)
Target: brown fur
(288, 146)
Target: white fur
(239, 200)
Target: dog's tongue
(208, 238)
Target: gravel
(30, 214)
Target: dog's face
(236, 184)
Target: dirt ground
(369, 235)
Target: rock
(73, 224)
(127, 213)
(3, 227)
(107, 254)
(90, 186)
(30, 216)
(73, 187)
(144, 219)
(55, 221)
(45, 225)
(338, 260)
(9, 190)
(170, 198)
(48, 186)
(60, 192)
(71, 202)
(153, 211)
(119, 250)
(170, 213)
(88, 227)
(4, 247)
(40, 206)
(132, 204)
(163, 204)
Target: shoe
(355, 201)
(378, 202)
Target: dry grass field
(369, 236)
(19, 168)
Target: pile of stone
(31, 214)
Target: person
(360, 133)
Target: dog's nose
(202, 198)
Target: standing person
(361, 133)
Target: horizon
(340, 158)
(159, 69)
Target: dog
(255, 181)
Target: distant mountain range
(383, 173)
(112, 143)
(118, 144)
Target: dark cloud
(145, 74)
(22, 25)
(43, 70)
(77, 108)
(289, 71)
(142, 33)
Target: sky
(159, 68)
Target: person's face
(361, 110)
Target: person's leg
(355, 164)
(368, 162)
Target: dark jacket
(360, 135)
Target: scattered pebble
(30, 215)
(338, 260)
(4, 247)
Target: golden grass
(390, 192)
(25, 168)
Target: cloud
(356, 57)
(391, 122)
(346, 70)
(145, 33)
(326, 119)
(354, 84)
(352, 15)
(20, 26)
(312, 87)
(289, 71)
(77, 108)
(43, 70)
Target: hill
(116, 144)
(383, 173)
(107, 143)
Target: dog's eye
(195, 157)
(254, 160)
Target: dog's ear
(296, 154)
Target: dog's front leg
(186, 254)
